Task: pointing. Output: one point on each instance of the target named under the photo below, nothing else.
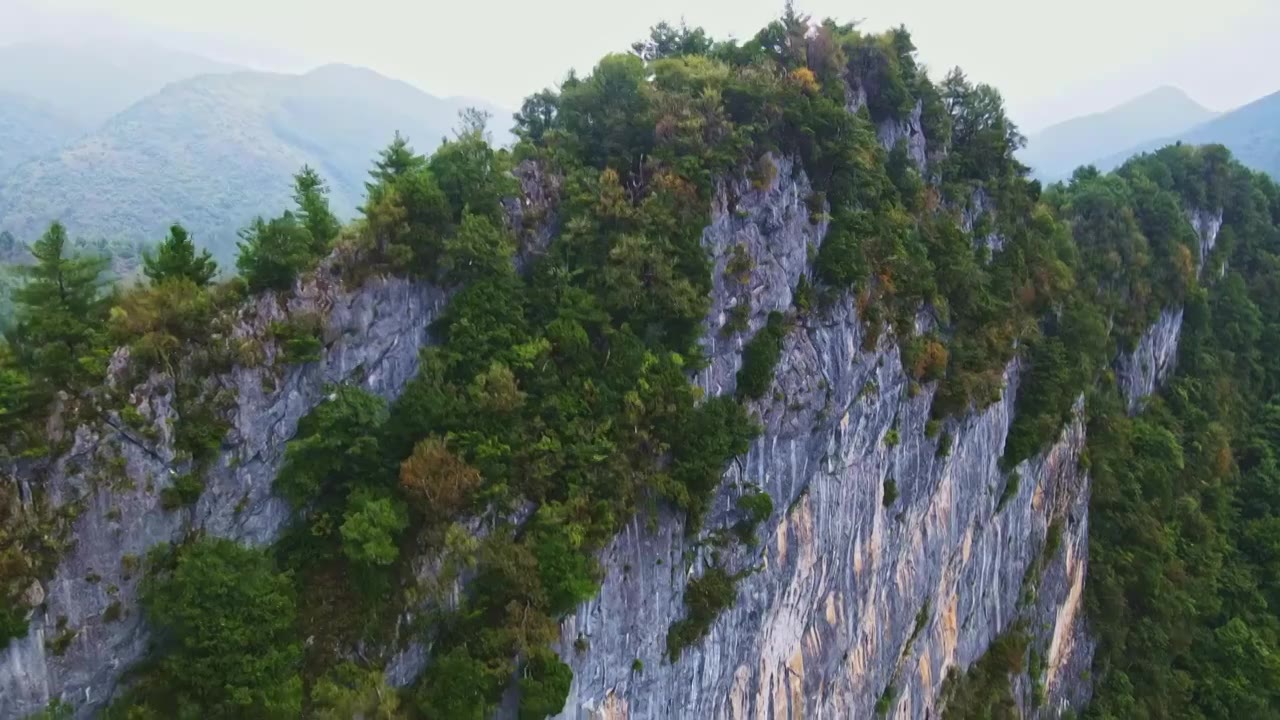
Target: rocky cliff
(850, 599)
(88, 631)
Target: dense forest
(557, 403)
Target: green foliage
(213, 150)
(225, 624)
(984, 691)
(884, 703)
(56, 710)
(335, 449)
(272, 253)
(311, 195)
(370, 529)
(185, 490)
(300, 338)
(890, 491)
(704, 599)
(176, 257)
(349, 691)
(756, 506)
(59, 315)
(544, 684)
(760, 357)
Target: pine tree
(312, 196)
(59, 308)
(272, 253)
(176, 258)
(394, 162)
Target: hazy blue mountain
(1252, 133)
(30, 128)
(91, 81)
(1056, 151)
(216, 150)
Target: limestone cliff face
(848, 596)
(372, 337)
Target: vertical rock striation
(848, 597)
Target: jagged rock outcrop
(89, 632)
(848, 597)
(1141, 371)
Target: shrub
(890, 491)
(704, 599)
(185, 490)
(760, 357)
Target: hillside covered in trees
(210, 151)
(557, 402)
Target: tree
(544, 685)
(370, 529)
(59, 309)
(440, 482)
(349, 691)
(472, 176)
(394, 162)
(176, 258)
(335, 449)
(479, 249)
(312, 197)
(226, 625)
(272, 253)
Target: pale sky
(1052, 59)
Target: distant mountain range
(211, 148)
(1057, 150)
(1162, 117)
(1251, 133)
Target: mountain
(1056, 151)
(30, 128)
(216, 150)
(1251, 133)
(94, 80)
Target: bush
(756, 507)
(890, 491)
(760, 357)
(299, 338)
(185, 490)
(273, 253)
(225, 626)
(704, 599)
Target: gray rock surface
(846, 597)
(827, 620)
(372, 337)
(1140, 372)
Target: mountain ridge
(1055, 151)
(213, 151)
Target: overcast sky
(1052, 59)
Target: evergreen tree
(394, 162)
(311, 193)
(59, 308)
(272, 253)
(176, 257)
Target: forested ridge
(556, 403)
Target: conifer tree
(311, 193)
(59, 308)
(176, 257)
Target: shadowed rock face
(372, 338)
